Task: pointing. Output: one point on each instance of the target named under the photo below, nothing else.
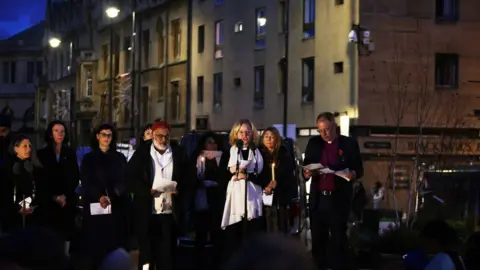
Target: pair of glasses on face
(105, 135)
(161, 136)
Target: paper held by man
(318, 167)
(164, 185)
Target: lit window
(218, 39)
(261, 29)
(308, 18)
(238, 27)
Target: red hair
(160, 124)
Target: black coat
(349, 157)
(18, 182)
(287, 188)
(140, 175)
(102, 174)
(61, 178)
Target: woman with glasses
(281, 178)
(245, 164)
(62, 175)
(208, 164)
(21, 194)
(101, 172)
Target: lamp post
(112, 13)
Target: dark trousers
(328, 224)
(208, 222)
(276, 219)
(235, 235)
(157, 248)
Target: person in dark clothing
(245, 164)
(21, 194)
(156, 177)
(104, 187)
(62, 177)
(208, 164)
(331, 195)
(282, 184)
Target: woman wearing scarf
(245, 164)
(62, 174)
(281, 178)
(104, 194)
(21, 187)
(209, 163)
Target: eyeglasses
(105, 135)
(161, 136)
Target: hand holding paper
(165, 185)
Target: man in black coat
(331, 195)
(156, 207)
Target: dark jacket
(349, 157)
(216, 196)
(140, 176)
(21, 180)
(62, 178)
(102, 174)
(286, 189)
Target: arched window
(161, 41)
(7, 111)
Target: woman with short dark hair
(104, 195)
(62, 176)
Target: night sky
(18, 15)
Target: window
(144, 97)
(217, 91)
(308, 70)
(30, 71)
(308, 18)
(338, 67)
(218, 39)
(446, 71)
(127, 56)
(105, 59)
(238, 27)
(259, 94)
(261, 29)
(39, 69)
(13, 72)
(88, 81)
(6, 72)
(176, 39)
(146, 48)
(339, 2)
(176, 105)
(200, 85)
(116, 53)
(201, 39)
(161, 41)
(446, 10)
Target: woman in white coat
(245, 164)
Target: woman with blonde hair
(245, 164)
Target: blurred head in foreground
(271, 252)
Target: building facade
(79, 68)
(22, 66)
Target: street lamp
(112, 13)
(54, 42)
(361, 36)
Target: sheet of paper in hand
(267, 199)
(314, 167)
(244, 163)
(164, 185)
(345, 174)
(26, 202)
(96, 209)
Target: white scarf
(234, 209)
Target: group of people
(160, 187)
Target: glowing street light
(262, 21)
(54, 42)
(112, 12)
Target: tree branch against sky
(18, 15)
